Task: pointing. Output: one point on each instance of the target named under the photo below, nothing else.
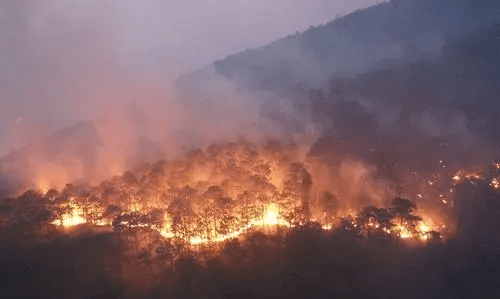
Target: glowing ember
(473, 176)
(327, 227)
(495, 183)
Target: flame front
(216, 197)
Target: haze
(67, 61)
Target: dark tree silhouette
(330, 206)
(402, 206)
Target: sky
(198, 32)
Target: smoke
(368, 102)
(390, 97)
(110, 66)
(404, 89)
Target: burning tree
(329, 204)
(227, 191)
(398, 220)
(299, 182)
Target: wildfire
(271, 217)
(405, 231)
(402, 231)
(421, 231)
(72, 216)
(223, 194)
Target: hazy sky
(197, 32)
(191, 33)
(60, 58)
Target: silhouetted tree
(402, 206)
(330, 206)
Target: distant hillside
(364, 40)
(400, 79)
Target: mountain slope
(361, 41)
